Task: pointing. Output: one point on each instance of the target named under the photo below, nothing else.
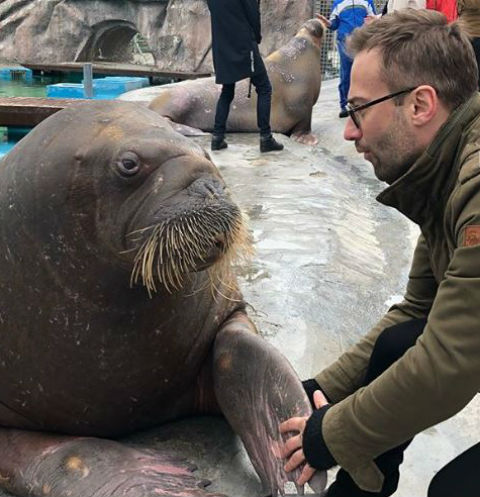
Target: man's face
(386, 136)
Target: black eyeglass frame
(350, 111)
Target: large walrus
(295, 73)
(119, 309)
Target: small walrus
(295, 73)
(119, 309)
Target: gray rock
(177, 31)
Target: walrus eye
(128, 166)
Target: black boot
(218, 142)
(269, 144)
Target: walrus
(295, 73)
(120, 310)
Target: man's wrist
(310, 386)
(315, 449)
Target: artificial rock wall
(177, 31)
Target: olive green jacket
(439, 375)
(469, 17)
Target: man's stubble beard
(396, 151)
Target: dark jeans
(264, 100)
(459, 478)
(345, 71)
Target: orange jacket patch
(472, 236)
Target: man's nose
(351, 132)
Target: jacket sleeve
(347, 374)
(435, 378)
(252, 11)
(334, 18)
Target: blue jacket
(349, 14)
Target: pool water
(5, 147)
(37, 87)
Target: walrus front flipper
(302, 132)
(304, 138)
(185, 130)
(257, 389)
(38, 465)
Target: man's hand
(324, 20)
(292, 448)
(369, 19)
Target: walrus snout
(315, 27)
(207, 187)
(208, 234)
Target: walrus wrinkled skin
(295, 73)
(118, 311)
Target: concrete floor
(329, 261)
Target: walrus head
(123, 191)
(185, 220)
(314, 29)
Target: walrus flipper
(38, 464)
(185, 130)
(304, 138)
(302, 132)
(257, 389)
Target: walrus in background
(119, 309)
(295, 74)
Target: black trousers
(264, 101)
(459, 478)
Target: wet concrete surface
(329, 261)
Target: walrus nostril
(208, 188)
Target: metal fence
(330, 58)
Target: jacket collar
(426, 186)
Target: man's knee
(396, 340)
(459, 477)
(435, 489)
(391, 344)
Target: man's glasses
(350, 110)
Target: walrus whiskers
(173, 248)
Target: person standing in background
(447, 7)
(393, 5)
(236, 33)
(346, 15)
(469, 20)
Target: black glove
(259, 40)
(314, 446)
(310, 386)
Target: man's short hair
(420, 47)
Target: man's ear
(424, 105)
